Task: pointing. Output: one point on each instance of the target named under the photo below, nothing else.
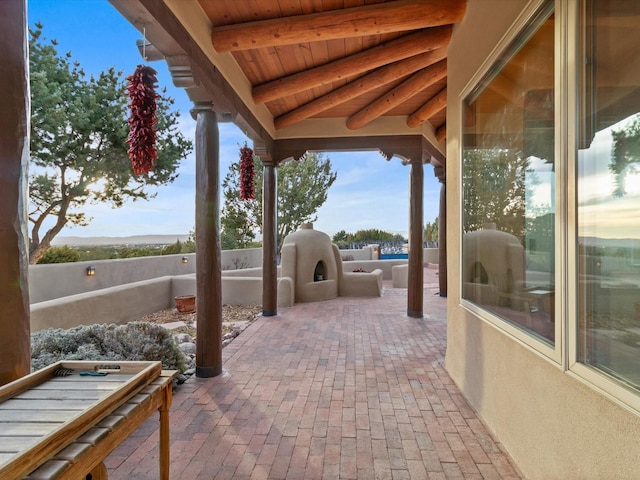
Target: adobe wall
(554, 424)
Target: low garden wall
(371, 265)
(72, 278)
(118, 304)
(83, 299)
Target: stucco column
(442, 240)
(269, 240)
(416, 262)
(15, 343)
(208, 265)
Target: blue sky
(368, 193)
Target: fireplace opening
(319, 273)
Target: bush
(137, 341)
(172, 249)
(60, 255)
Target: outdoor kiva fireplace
(492, 266)
(308, 258)
(315, 265)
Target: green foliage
(97, 253)
(431, 231)
(189, 245)
(625, 155)
(494, 190)
(136, 252)
(172, 249)
(135, 341)
(238, 218)
(63, 254)
(341, 237)
(78, 143)
(372, 235)
(302, 188)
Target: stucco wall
(553, 425)
(371, 265)
(47, 282)
(119, 304)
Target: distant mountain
(609, 242)
(132, 240)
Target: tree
(238, 218)
(341, 238)
(364, 237)
(625, 155)
(172, 249)
(78, 143)
(302, 188)
(64, 254)
(431, 231)
(494, 190)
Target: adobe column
(416, 263)
(269, 240)
(208, 265)
(15, 342)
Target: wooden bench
(63, 427)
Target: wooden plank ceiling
(353, 60)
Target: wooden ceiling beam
(377, 19)
(375, 79)
(413, 85)
(441, 132)
(435, 105)
(398, 49)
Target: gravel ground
(236, 317)
(230, 313)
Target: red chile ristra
(142, 133)
(247, 188)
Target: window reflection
(608, 166)
(508, 185)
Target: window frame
(491, 65)
(608, 386)
(564, 354)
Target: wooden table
(64, 426)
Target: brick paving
(350, 388)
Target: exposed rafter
(318, 60)
(389, 17)
(429, 109)
(416, 83)
(360, 86)
(404, 47)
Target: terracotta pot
(186, 303)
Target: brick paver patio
(343, 389)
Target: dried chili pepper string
(142, 104)
(247, 187)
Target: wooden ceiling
(324, 75)
(349, 60)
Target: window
(608, 189)
(508, 184)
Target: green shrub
(172, 249)
(137, 341)
(60, 255)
